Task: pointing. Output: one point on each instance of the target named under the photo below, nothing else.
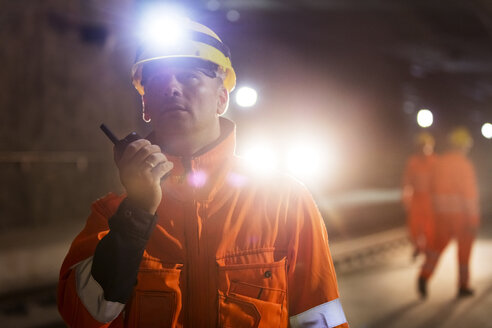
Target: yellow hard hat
(198, 42)
(424, 138)
(460, 137)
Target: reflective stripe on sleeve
(92, 295)
(328, 315)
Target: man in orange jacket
(455, 202)
(197, 240)
(416, 192)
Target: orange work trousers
(448, 227)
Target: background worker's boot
(422, 287)
(465, 292)
(415, 254)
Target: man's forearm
(105, 281)
(118, 254)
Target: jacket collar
(200, 176)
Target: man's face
(182, 99)
(427, 148)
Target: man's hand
(142, 166)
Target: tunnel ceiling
(440, 42)
(451, 36)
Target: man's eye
(156, 79)
(189, 76)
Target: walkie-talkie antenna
(110, 134)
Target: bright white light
(487, 130)
(425, 118)
(162, 27)
(305, 160)
(246, 97)
(261, 158)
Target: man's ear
(222, 100)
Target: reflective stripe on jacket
(229, 250)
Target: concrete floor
(383, 294)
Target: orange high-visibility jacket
(417, 195)
(454, 188)
(228, 250)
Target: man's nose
(172, 87)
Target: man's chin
(170, 117)
(172, 111)
(174, 124)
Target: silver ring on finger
(149, 163)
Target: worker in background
(456, 209)
(416, 192)
(197, 240)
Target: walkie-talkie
(120, 145)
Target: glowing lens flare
(487, 130)
(261, 158)
(305, 160)
(425, 118)
(246, 96)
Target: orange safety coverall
(455, 202)
(228, 250)
(417, 199)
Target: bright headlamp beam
(162, 25)
(160, 30)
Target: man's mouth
(173, 107)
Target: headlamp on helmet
(190, 41)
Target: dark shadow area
(446, 311)
(53, 325)
(16, 303)
(480, 297)
(475, 302)
(391, 317)
(441, 315)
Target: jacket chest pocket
(156, 300)
(253, 295)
